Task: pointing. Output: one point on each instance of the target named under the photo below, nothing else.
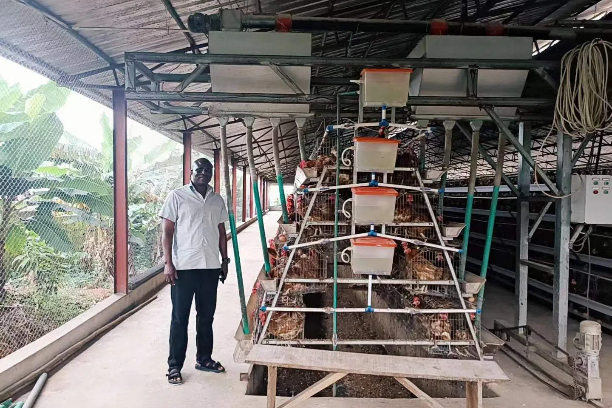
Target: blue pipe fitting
(285, 248)
(373, 183)
(330, 128)
(440, 190)
(263, 308)
(305, 190)
(478, 311)
(384, 123)
(460, 251)
(372, 233)
(384, 107)
(369, 309)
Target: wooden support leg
(473, 394)
(272, 386)
(418, 392)
(313, 389)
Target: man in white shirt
(194, 234)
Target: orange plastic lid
(375, 140)
(398, 70)
(374, 242)
(376, 191)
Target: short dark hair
(201, 162)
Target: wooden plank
(313, 389)
(473, 394)
(372, 364)
(418, 392)
(272, 386)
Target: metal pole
(232, 222)
(217, 176)
(476, 125)
(275, 122)
(521, 281)
(248, 121)
(120, 186)
(562, 237)
(581, 148)
(244, 193)
(448, 144)
(300, 122)
(234, 185)
(526, 155)
(485, 155)
(501, 149)
(251, 207)
(186, 157)
(538, 219)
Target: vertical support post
(186, 157)
(499, 170)
(449, 125)
(244, 192)
(300, 122)
(476, 125)
(522, 227)
(275, 122)
(473, 394)
(234, 185)
(217, 175)
(232, 221)
(120, 190)
(562, 237)
(251, 182)
(248, 121)
(271, 391)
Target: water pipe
(232, 221)
(476, 125)
(300, 122)
(33, 396)
(275, 122)
(499, 170)
(449, 125)
(248, 121)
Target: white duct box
(453, 82)
(258, 79)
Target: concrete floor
(127, 366)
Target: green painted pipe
(281, 191)
(499, 170)
(256, 199)
(232, 222)
(476, 125)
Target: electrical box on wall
(592, 199)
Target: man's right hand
(170, 274)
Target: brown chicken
(418, 267)
(306, 264)
(440, 327)
(319, 163)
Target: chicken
(417, 264)
(440, 327)
(319, 163)
(287, 325)
(462, 334)
(307, 264)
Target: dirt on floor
(291, 382)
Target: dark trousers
(201, 283)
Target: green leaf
(107, 142)
(45, 226)
(16, 240)
(9, 128)
(55, 96)
(87, 184)
(25, 154)
(9, 95)
(34, 105)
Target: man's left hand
(223, 274)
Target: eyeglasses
(205, 170)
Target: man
(193, 236)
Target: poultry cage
(422, 290)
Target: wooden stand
(340, 364)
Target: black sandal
(210, 365)
(174, 376)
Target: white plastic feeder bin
(373, 205)
(372, 255)
(388, 87)
(375, 154)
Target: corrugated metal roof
(29, 34)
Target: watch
(225, 260)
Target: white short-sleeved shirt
(196, 229)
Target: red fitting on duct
(283, 23)
(438, 27)
(494, 29)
